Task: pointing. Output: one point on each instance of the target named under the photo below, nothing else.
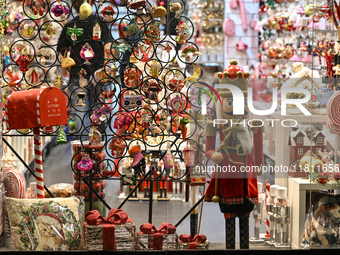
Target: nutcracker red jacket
(236, 181)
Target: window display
(135, 117)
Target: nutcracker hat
(233, 75)
(53, 220)
(137, 155)
(180, 23)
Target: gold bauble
(85, 10)
(215, 199)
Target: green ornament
(61, 136)
(71, 125)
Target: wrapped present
(149, 238)
(115, 232)
(199, 242)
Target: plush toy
(235, 190)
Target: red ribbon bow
(158, 235)
(193, 242)
(116, 216)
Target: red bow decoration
(193, 242)
(158, 235)
(116, 216)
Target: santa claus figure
(234, 181)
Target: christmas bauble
(85, 10)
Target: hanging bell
(71, 125)
(81, 98)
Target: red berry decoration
(97, 187)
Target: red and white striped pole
(38, 164)
(267, 219)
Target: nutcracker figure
(234, 188)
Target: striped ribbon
(265, 209)
(38, 163)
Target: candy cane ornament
(38, 163)
(265, 209)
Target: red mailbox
(36, 108)
(32, 108)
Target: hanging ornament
(43, 55)
(153, 90)
(137, 5)
(61, 136)
(155, 67)
(132, 29)
(60, 10)
(176, 84)
(117, 147)
(168, 48)
(145, 118)
(37, 8)
(87, 53)
(108, 13)
(145, 53)
(169, 159)
(57, 81)
(81, 98)
(23, 60)
(50, 29)
(14, 78)
(28, 30)
(182, 32)
(71, 125)
(35, 77)
(152, 33)
(183, 123)
(97, 32)
(177, 105)
(95, 138)
(159, 12)
(74, 32)
(132, 77)
(85, 10)
(176, 8)
(190, 50)
(85, 163)
(82, 80)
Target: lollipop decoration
(177, 105)
(87, 53)
(74, 32)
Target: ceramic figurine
(57, 81)
(81, 98)
(82, 80)
(137, 5)
(50, 29)
(182, 32)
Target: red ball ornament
(94, 197)
(102, 194)
(103, 185)
(97, 187)
(23, 62)
(84, 187)
(76, 186)
(76, 177)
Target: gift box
(149, 238)
(199, 242)
(115, 232)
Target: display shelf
(297, 189)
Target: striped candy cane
(265, 209)
(38, 163)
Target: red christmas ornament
(23, 62)
(176, 84)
